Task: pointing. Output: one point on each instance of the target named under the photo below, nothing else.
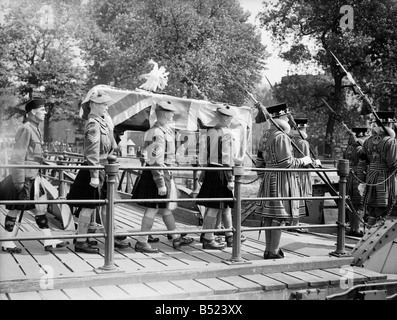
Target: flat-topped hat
(386, 116)
(34, 103)
(301, 122)
(99, 97)
(360, 131)
(278, 110)
(226, 110)
(165, 105)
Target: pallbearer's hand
(230, 186)
(94, 182)
(162, 191)
(317, 163)
(361, 188)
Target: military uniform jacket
(379, 153)
(275, 151)
(159, 149)
(98, 143)
(221, 149)
(27, 150)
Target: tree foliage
(192, 39)
(40, 55)
(367, 51)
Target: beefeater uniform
(377, 167)
(353, 153)
(276, 151)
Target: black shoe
(213, 245)
(152, 239)
(271, 255)
(12, 250)
(169, 236)
(229, 240)
(266, 255)
(217, 239)
(357, 234)
(181, 241)
(58, 245)
(121, 238)
(90, 242)
(120, 244)
(145, 248)
(85, 248)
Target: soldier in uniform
(99, 142)
(376, 169)
(275, 151)
(159, 151)
(221, 152)
(25, 184)
(299, 136)
(353, 153)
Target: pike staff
(267, 116)
(338, 117)
(362, 94)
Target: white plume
(157, 78)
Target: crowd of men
(371, 185)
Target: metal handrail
(112, 169)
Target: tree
(367, 50)
(41, 56)
(191, 38)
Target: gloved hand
(230, 185)
(306, 160)
(317, 162)
(361, 188)
(94, 182)
(162, 191)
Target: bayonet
(366, 99)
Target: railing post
(111, 170)
(61, 188)
(238, 173)
(343, 172)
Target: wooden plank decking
(189, 273)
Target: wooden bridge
(307, 272)
(316, 265)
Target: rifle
(350, 78)
(267, 116)
(338, 117)
(291, 119)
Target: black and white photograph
(198, 157)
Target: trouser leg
(275, 237)
(268, 223)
